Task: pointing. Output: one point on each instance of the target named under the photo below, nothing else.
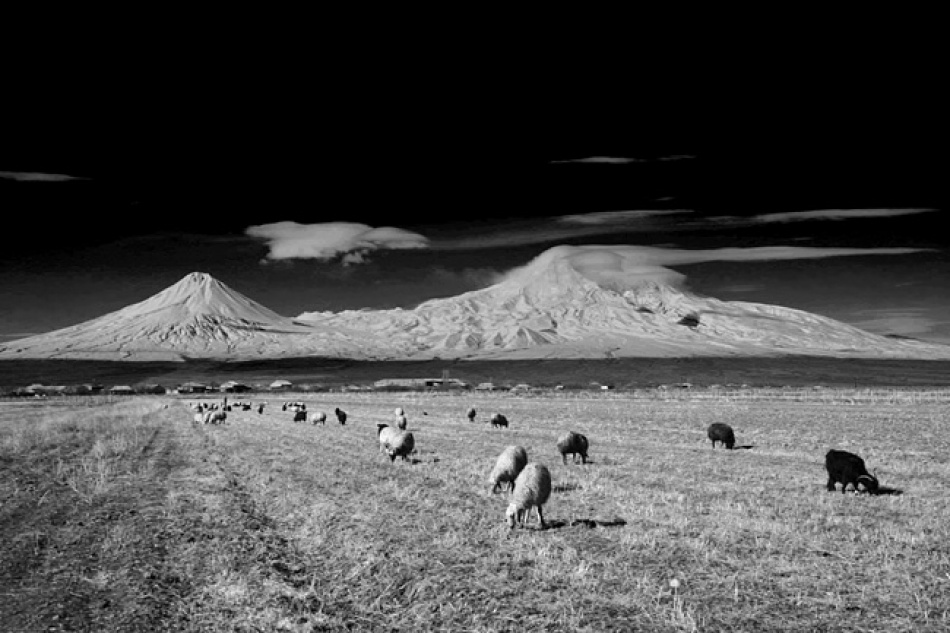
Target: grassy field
(121, 515)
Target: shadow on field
(571, 487)
(586, 523)
(887, 490)
(744, 447)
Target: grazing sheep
(471, 414)
(574, 444)
(720, 432)
(199, 418)
(300, 416)
(848, 468)
(532, 490)
(401, 422)
(394, 442)
(318, 418)
(340, 415)
(498, 419)
(215, 417)
(260, 409)
(508, 466)
(386, 434)
(399, 412)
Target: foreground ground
(123, 515)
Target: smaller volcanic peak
(201, 295)
(197, 317)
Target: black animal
(260, 409)
(498, 419)
(340, 415)
(300, 416)
(720, 432)
(572, 444)
(848, 468)
(471, 414)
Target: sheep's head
(870, 483)
(513, 515)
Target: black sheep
(340, 415)
(721, 432)
(498, 419)
(848, 468)
(300, 416)
(574, 444)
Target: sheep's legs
(540, 516)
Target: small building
(122, 390)
(193, 387)
(488, 386)
(281, 385)
(232, 386)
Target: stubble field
(121, 514)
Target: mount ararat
(566, 303)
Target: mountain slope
(558, 306)
(197, 317)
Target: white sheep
(532, 490)
(509, 464)
(399, 411)
(394, 442)
(215, 417)
(199, 418)
(386, 434)
(318, 417)
(401, 422)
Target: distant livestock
(498, 420)
(300, 416)
(573, 444)
(399, 411)
(318, 417)
(215, 417)
(847, 468)
(340, 415)
(471, 414)
(402, 422)
(260, 409)
(720, 432)
(532, 490)
(508, 466)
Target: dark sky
(121, 185)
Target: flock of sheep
(529, 483)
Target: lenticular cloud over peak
(627, 267)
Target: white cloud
(620, 160)
(349, 241)
(32, 176)
(624, 266)
(835, 214)
(603, 160)
(613, 217)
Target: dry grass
(264, 524)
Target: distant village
(232, 386)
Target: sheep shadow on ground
(570, 487)
(887, 490)
(585, 523)
(744, 447)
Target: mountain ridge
(570, 302)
